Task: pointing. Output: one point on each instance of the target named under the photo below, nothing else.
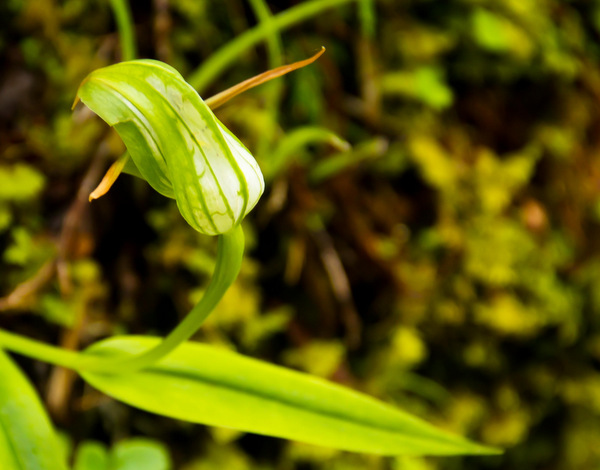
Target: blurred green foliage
(448, 262)
(129, 454)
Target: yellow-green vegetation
(428, 233)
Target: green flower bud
(176, 142)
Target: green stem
(124, 25)
(366, 13)
(229, 260)
(231, 52)
(274, 45)
(274, 90)
(41, 351)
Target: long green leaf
(205, 385)
(27, 440)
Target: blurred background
(429, 233)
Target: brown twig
(71, 223)
(20, 297)
(339, 284)
(162, 30)
(61, 380)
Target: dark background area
(448, 263)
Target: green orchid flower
(176, 142)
